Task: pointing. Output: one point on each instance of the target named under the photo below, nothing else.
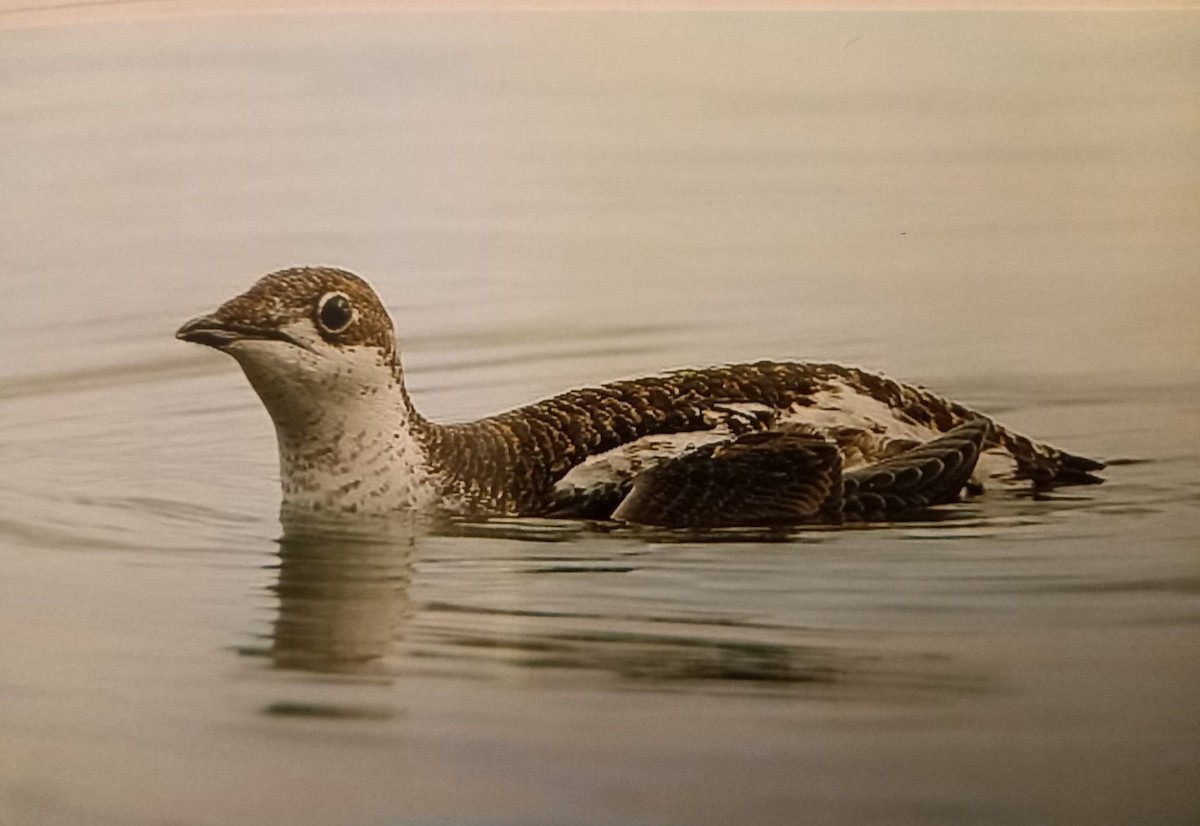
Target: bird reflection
(343, 593)
(343, 590)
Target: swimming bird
(741, 444)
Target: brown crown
(281, 297)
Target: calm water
(1003, 207)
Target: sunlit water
(1001, 207)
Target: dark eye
(334, 312)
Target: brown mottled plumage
(515, 459)
(318, 347)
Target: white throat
(344, 427)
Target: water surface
(1002, 207)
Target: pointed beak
(209, 331)
(213, 331)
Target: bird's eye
(334, 312)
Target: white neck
(357, 461)
(345, 430)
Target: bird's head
(307, 338)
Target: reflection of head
(343, 593)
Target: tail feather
(1078, 470)
(1048, 467)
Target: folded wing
(784, 478)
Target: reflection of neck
(343, 592)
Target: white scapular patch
(841, 406)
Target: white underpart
(342, 426)
(836, 410)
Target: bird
(750, 444)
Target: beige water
(1001, 206)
